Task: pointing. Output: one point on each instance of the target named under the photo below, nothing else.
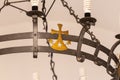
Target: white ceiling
(21, 66)
(105, 11)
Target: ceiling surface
(22, 66)
(105, 11)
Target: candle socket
(87, 15)
(88, 21)
(34, 7)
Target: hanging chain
(52, 64)
(93, 37)
(45, 24)
(44, 18)
(72, 12)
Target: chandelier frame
(86, 22)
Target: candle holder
(87, 21)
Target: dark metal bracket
(86, 22)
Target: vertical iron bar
(35, 35)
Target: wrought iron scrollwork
(86, 23)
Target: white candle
(34, 2)
(87, 6)
(82, 73)
(35, 76)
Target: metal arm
(7, 3)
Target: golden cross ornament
(59, 44)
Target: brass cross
(59, 44)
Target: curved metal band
(109, 58)
(43, 35)
(48, 49)
(79, 55)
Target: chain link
(44, 18)
(43, 6)
(45, 24)
(52, 64)
(93, 37)
(71, 11)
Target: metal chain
(44, 18)
(52, 64)
(45, 24)
(43, 6)
(93, 37)
(72, 12)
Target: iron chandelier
(59, 46)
